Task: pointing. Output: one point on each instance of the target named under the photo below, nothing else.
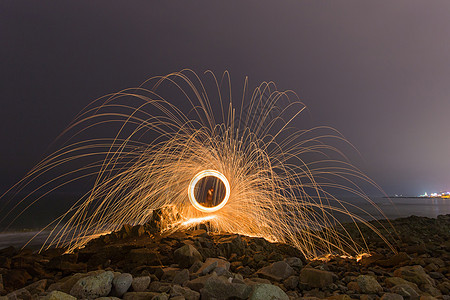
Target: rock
(394, 260)
(391, 296)
(267, 291)
(218, 287)
(66, 284)
(159, 287)
(121, 283)
(57, 295)
(198, 283)
(339, 297)
(185, 292)
(186, 255)
(181, 277)
(406, 291)
(167, 274)
(140, 284)
(368, 285)
(139, 295)
(414, 274)
(213, 263)
(93, 286)
(277, 271)
(162, 296)
(393, 281)
(294, 262)
(16, 278)
(143, 256)
(433, 291)
(19, 294)
(37, 287)
(107, 298)
(291, 282)
(353, 286)
(316, 278)
(444, 287)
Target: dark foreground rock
(138, 263)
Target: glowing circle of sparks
(194, 181)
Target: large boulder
(277, 271)
(316, 278)
(267, 291)
(368, 285)
(121, 284)
(218, 287)
(93, 286)
(186, 255)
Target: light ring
(204, 174)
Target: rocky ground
(136, 263)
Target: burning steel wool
(243, 166)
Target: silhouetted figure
(209, 198)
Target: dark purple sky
(378, 71)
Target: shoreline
(195, 264)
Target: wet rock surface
(138, 263)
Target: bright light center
(193, 186)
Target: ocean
(390, 208)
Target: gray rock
(277, 271)
(94, 286)
(218, 287)
(121, 284)
(406, 291)
(316, 278)
(267, 291)
(186, 255)
(368, 285)
(140, 284)
(391, 296)
(107, 298)
(57, 295)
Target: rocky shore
(137, 263)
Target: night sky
(378, 71)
